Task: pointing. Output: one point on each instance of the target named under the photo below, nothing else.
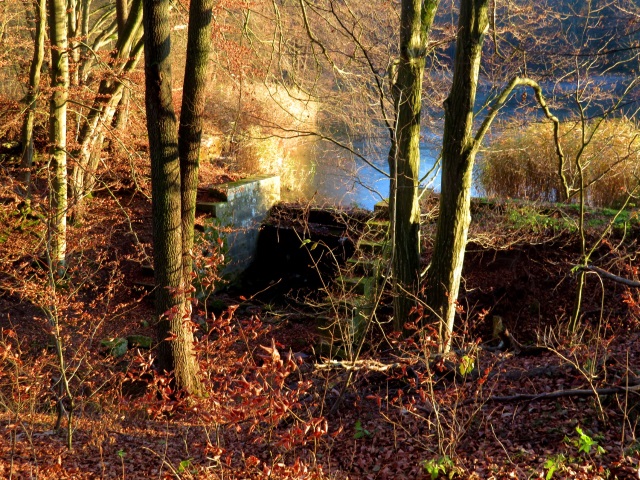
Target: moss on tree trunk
(458, 155)
(57, 235)
(32, 93)
(416, 18)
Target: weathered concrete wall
(245, 205)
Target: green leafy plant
(185, 466)
(584, 443)
(467, 363)
(360, 431)
(307, 241)
(121, 454)
(633, 449)
(553, 464)
(531, 218)
(440, 466)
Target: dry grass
(523, 163)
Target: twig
(357, 365)
(526, 397)
(164, 461)
(611, 276)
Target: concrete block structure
(242, 208)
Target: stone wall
(242, 208)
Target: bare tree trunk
(73, 11)
(110, 91)
(122, 10)
(121, 117)
(176, 348)
(191, 120)
(122, 112)
(40, 8)
(85, 15)
(73, 34)
(57, 234)
(415, 23)
(458, 155)
(103, 38)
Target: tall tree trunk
(416, 19)
(121, 117)
(176, 348)
(122, 10)
(57, 232)
(191, 120)
(104, 37)
(92, 134)
(85, 15)
(33, 92)
(73, 26)
(73, 34)
(123, 60)
(122, 113)
(458, 155)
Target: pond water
(338, 177)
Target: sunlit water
(336, 176)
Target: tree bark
(73, 26)
(122, 112)
(107, 30)
(122, 9)
(57, 232)
(175, 352)
(85, 15)
(191, 120)
(124, 59)
(458, 155)
(33, 92)
(416, 18)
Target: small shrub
(361, 432)
(440, 466)
(531, 219)
(584, 443)
(553, 464)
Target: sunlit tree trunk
(458, 155)
(175, 352)
(33, 92)
(74, 26)
(73, 29)
(124, 59)
(404, 160)
(57, 232)
(191, 120)
(122, 10)
(85, 15)
(121, 117)
(107, 29)
(122, 112)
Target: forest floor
(551, 405)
